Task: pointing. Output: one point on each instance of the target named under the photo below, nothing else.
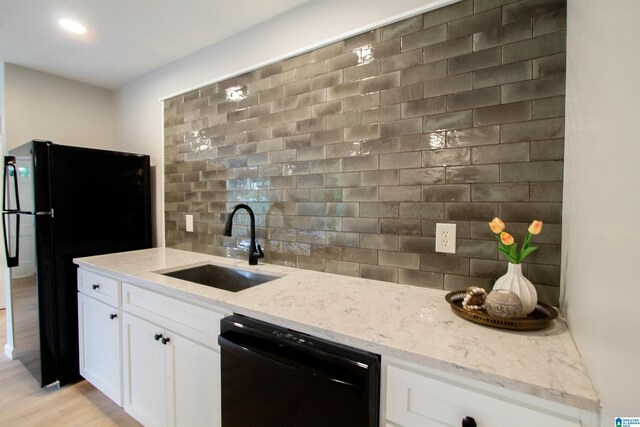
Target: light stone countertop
(406, 322)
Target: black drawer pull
(469, 422)
(165, 340)
(95, 287)
(157, 337)
(113, 316)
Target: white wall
(43, 106)
(601, 239)
(38, 105)
(139, 111)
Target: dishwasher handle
(255, 352)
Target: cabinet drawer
(97, 286)
(418, 399)
(197, 323)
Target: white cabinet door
(194, 383)
(99, 339)
(145, 387)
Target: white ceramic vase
(515, 282)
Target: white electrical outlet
(446, 238)
(189, 219)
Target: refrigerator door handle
(10, 165)
(12, 260)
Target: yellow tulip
(496, 225)
(535, 227)
(506, 238)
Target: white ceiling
(126, 38)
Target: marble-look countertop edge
(214, 298)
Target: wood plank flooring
(24, 403)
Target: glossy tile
(447, 85)
(351, 153)
(473, 99)
(401, 61)
(448, 49)
(510, 192)
(500, 153)
(519, 71)
(399, 259)
(409, 227)
(549, 66)
(530, 8)
(533, 130)
(554, 21)
(449, 13)
(446, 193)
(362, 256)
(446, 121)
(401, 28)
(446, 157)
(476, 23)
(502, 35)
(535, 48)
(376, 272)
(548, 107)
(504, 113)
(552, 149)
(423, 107)
(424, 38)
(444, 263)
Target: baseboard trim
(8, 350)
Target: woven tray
(539, 318)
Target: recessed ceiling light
(72, 26)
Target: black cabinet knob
(165, 340)
(113, 316)
(469, 422)
(157, 337)
(95, 286)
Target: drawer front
(420, 400)
(197, 323)
(97, 286)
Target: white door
(194, 383)
(99, 339)
(145, 389)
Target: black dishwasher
(276, 377)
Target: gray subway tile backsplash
(351, 153)
(448, 13)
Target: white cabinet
(171, 378)
(194, 381)
(145, 396)
(419, 396)
(99, 334)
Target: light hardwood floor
(24, 403)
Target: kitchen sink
(215, 276)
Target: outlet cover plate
(446, 238)
(189, 220)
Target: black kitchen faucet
(254, 253)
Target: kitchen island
(402, 323)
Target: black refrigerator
(59, 203)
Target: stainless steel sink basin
(229, 279)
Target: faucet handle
(260, 253)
